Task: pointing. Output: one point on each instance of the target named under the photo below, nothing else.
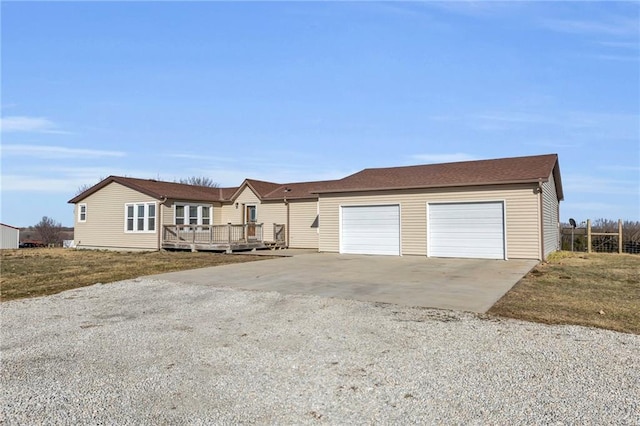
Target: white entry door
(472, 230)
(370, 230)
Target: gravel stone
(145, 351)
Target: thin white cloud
(49, 152)
(199, 157)
(583, 210)
(23, 182)
(620, 168)
(623, 58)
(575, 183)
(479, 9)
(621, 44)
(29, 125)
(63, 179)
(443, 158)
(228, 177)
(512, 117)
(613, 26)
(553, 144)
(603, 125)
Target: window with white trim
(192, 214)
(140, 217)
(82, 212)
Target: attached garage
(370, 229)
(470, 229)
(504, 208)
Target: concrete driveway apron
(460, 284)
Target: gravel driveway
(145, 351)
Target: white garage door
(370, 230)
(474, 230)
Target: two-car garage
(466, 229)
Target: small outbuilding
(10, 237)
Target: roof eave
(558, 181)
(452, 185)
(313, 196)
(109, 180)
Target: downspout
(286, 203)
(541, 208)
(160, 214)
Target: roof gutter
(451, 185)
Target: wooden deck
(226, 238)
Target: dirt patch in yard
(40, 272)
(597, 290)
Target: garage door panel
(370, 230)
(474, 230)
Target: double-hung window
(140, 217)
(82, 212)
(192, 214)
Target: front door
(251, 218)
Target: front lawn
(597, 290)
(44, 271)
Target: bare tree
(82, 188)
(86, 186)
(199, 181)
(49, 230)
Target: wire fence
(578, 239)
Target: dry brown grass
(597, 290)
(40, 272)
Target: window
(206, 215)
(192, 214)
(151, 217)
(82, 212)
(140, 217)
(179, 215)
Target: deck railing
(213, 234)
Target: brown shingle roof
(262, 187)
(464, 173)
(299, 190)
(159, 189)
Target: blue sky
(294, 91)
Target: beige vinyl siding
(167, 213)
(231, 214)
(303, 232)
(104, 227)
(268, 212)
(550, 224)
(521, 204)
(220, 216)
